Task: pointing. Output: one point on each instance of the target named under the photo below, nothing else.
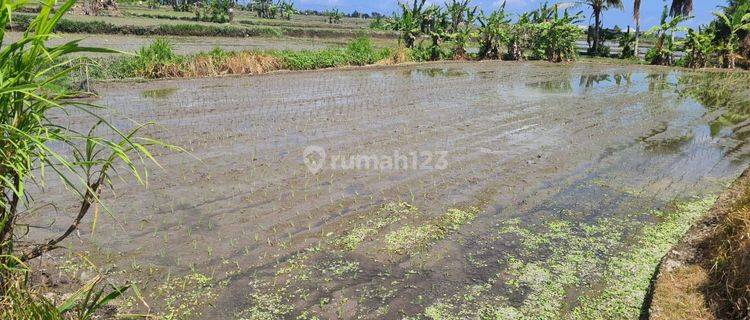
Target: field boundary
(22, 21)
(684, 283)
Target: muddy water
(555, 179)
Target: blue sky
(650, 9)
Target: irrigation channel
(538, 190)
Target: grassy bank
(158, 60)
(21, 22)
(707, 276)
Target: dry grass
(709, 273)
(400, 55)
(22, 303)
(207, 66)
(732, 260)
(680, 295)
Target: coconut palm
(681, 8)
(637, 21)
(597, 7)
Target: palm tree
(637, 20)
(681, 8)
(597, 7)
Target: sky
(650, 9)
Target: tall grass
(158, 60)
(36, 146)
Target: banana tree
(520, 37)
(698, 47)
(410, 22)
(286, 9)
(334, 16)
(556, 35)
(737, 21)
(493, 32)
(461, 29)
(435, 25)
(662, 52)
(264, 8)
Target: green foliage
(627, 42)
(214, 11)
(409, 22)
(359, 52)
(379, 23)
(430, 52)
(36, 145)
(545, 34)
(90, 298)
(267, 9)
(461, 29)
(362, 51)
(597, 7)
(183, 5)
(494, 32)
(735, 22)
(663, 52)
(698, 47)
(333, 16)
(555, 37)
(187, 29)
(286, 9)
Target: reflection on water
(710, 105)
(437, 72)
(553, 86)
(724, 92)
(593, 80)
(162, 93)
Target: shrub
(361, 51)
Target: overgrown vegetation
(548, 33)
(35, 147)
(218, 11)
(74, 26)
(158, 60)
(267, 9)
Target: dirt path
(556, 179)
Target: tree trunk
(637, 38)
(597, 30)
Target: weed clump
(416, 238)
(388, 214)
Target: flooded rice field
(444, 191)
